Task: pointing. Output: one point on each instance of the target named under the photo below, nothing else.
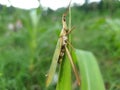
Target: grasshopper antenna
(67, 10)
(64, 16)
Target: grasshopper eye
(64, 20)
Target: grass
(93, 32)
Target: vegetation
(28, 39)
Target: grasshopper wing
(54, 62)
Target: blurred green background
(28, 39)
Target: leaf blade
(64, 81)
(91, 78)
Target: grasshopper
(60, 50)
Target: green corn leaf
(90, 75)
(64, 82)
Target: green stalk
(33, 45)
(33, 33)
(70, 39)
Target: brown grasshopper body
(63, 37)
(61, 49)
